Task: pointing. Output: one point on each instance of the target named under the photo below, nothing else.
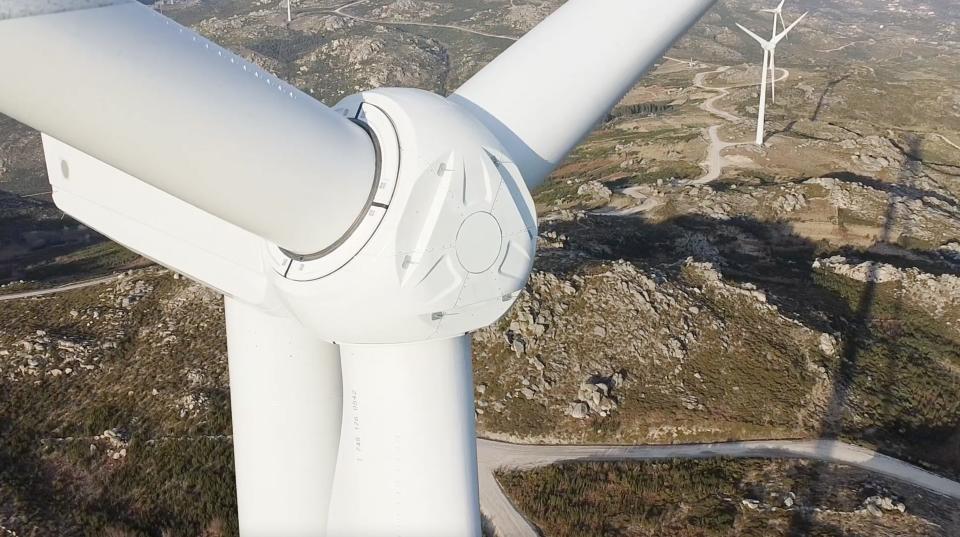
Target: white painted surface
(762, 117)
(157, 225)
(408, 459)
(550, 89)
(219, 139)
(163, 104)
(479, 242)
(10, 9)
(408, 283)
(285, 397)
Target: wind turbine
(777, 16)
(289, 12)
(356, 252)
(769, 48)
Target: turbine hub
(447, 241)
(479, 242)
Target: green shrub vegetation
(614, 499)
(706, 498)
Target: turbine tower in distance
(777, 16)
(769, 48)
(357, 247)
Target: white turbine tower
(356, 251)
(289, 12)
(769, 47)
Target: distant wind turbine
(769, 48)
(290, 16)
(777, 16)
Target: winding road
(851, 44)
(947, 141)
(715, 161)
(53, 290)
(509, 522)
(340, 11)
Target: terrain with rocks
(810, 290)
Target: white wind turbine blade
(153, 99)
(777, 13)
(763, 42)
(773, 56)
(783, 23)
(549, 90)
(774, 32)
(784, 33)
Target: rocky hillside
(115, 412)
(810, 288)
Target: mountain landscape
(690, 287)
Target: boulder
(578, 410)
(595, 191)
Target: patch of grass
(853, 218)
(665, 170)
(668, 136)
(555, 192)
(704, 498)
(288, 48)
(649, 109)
(754, 177)
(914, 243)
(612, 499)
(177, 477)
(898, 376)
(526, 418)
(816, 191)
